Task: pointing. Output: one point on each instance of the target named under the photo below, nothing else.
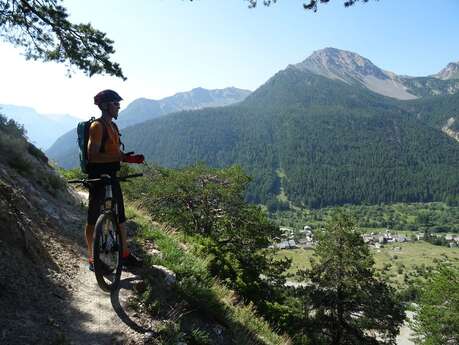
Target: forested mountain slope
(435, 111)
(430, 86)
(334, 142)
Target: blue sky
(169, 46)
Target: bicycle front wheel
(107, 251)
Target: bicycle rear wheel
(107, 252)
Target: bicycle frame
(109, 233)
(109, 204)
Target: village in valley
(305, 239)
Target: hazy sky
(169, 46)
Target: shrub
(14, 150)
(198, 337)
(37, 153)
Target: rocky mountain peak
(341, 64)
(353, 69)
(451, 71)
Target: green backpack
(83, 137)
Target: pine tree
(436, 321)
(348, 304)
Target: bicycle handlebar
(121, 178)
(76, 181)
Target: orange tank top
(112, 139)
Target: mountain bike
(107, 244)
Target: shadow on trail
(126, 284)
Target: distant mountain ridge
(144, 109)
(42, 129)
(65, 150)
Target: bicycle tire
(107, 254)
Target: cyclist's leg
(96, 197)
(89, 233)
(128, 258)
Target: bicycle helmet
(106, 96)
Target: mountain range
(144, 109)
(333, 129)
(42, 129)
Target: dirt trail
(47, 293)
(100, 318)
(97, 317)
(406, 333)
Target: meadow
(397, 260)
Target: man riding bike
(104, 157)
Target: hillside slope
(41, 226)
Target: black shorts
(96, 199)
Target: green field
(411, 257)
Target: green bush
(71, 174)
(198, 337)
(19, 155)
(199, 289)
(11, 127)
(14, 151)
(37, 153)
(436, 321)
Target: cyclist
(104, 157)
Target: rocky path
(47, 294)
(404, 338)
(97, 318)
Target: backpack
(83, 138)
